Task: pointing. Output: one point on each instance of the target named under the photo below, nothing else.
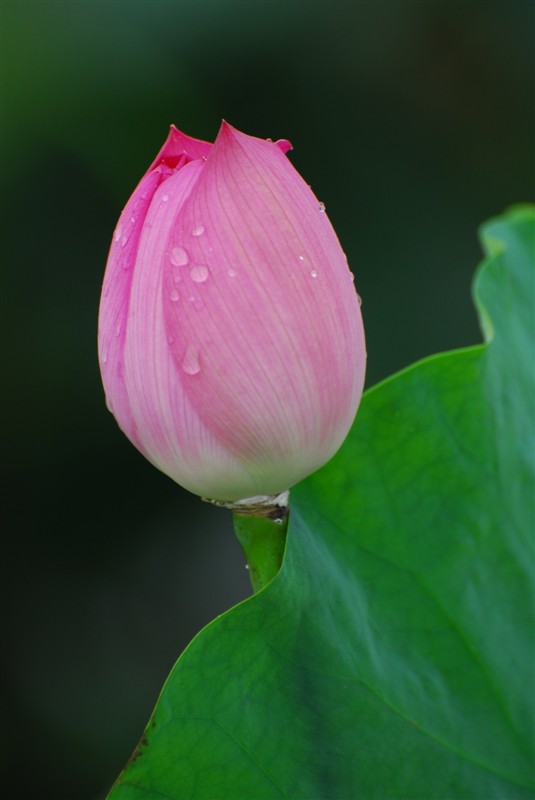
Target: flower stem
(263, 538)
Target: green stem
(263, 539)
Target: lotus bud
(231, 343)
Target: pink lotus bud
(231, 343)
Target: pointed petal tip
(174, 133)
(177, 144)
(226, 129)
(228, 132)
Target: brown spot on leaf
(141, 745)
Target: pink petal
(148, 400)
(115, 299)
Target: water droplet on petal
(198, 231)
(105, 290)
(199, 273)
(174, 296)
(132, 220)
(105, 357)
(179, 257)
(321, 207)
(313, 274)
(190, 362)
(351, 277)
(118, 233)
(177, 277)
(124, 241)
(301, 258)
(231, 273)
(359, 299)
(165, 198)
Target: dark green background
(412, 121)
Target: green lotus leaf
(392, 656)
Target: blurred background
(412, 121)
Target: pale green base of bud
(266, 505)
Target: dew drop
(301, 258)
(247, 566)
(177, 277)
(132, 220)
(359, 298)
(179, 257)
(190, 362)
(105, 290)
(199, 273)
(231, 273)
(124, 241)
(105, 357)
(198, 231)
(174, 296)
(351, 277)
(321, 207)
(313, 274)
(118, 233)
(165, 198)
